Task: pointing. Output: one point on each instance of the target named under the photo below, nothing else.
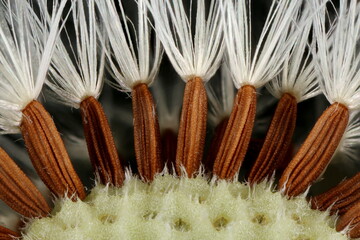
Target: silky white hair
(275, 42)
(77, 71)
(298, 76)
(130, 63)
(191, 56)
(26, 46)
(338, 54)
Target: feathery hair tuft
(298, 76)
(77, 71)
(27, 44)
(130, 64)
(338, 54)
(191, 56)
(258, 67)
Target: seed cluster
(71, 45)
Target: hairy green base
(182, 208)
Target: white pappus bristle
(298, 76)
(338, 55)
(192, 55)
(221, 95)
(130, 63)
(257, 67)
(76, 71)
(350, 141)
(27, 44)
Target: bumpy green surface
(182, 208)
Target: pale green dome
(182, 208)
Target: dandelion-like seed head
(187, 183)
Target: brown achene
(237, 134)
(277, 141)
(192, 129)
(146, 133)
(47, 152)
(100, 143)
(340, 198)
(316, 152)
(17, 190)
(7, 234)
(351, 218)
